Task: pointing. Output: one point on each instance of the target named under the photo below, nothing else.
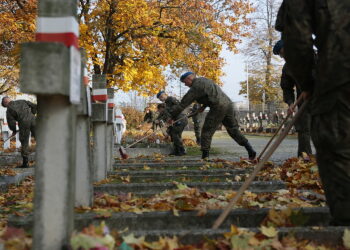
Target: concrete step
(159, 164)
(179, 172)
(331, 236)
(6, 180)
(151, 160)
(181, 178)
(7, 159)
(187, 220)
(143, 189)
(174, 166)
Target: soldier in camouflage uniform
(324, 24)
(175, 130)
(23, 112)
(149, 116)
(209, 94)
(197, 121)
(288, 84)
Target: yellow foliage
(134, 42)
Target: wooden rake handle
(247, 183)
(278, 130)
(9, 138)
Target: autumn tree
(17, 25)
(264, 67)
(258, 91)
(134, 41)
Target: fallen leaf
(346, 238)
(270, 232)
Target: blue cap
(277, 48)
(182, 78)
(160, 93)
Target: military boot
(251, 152)
(181, 151)
(175, 151)
(25, 162)
(205, 154)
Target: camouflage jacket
(205, 92)
(329, 22)
(149, 117)
(288, 84)
(166, 115)
(20, 111)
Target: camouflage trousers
(175, 133)
(331, 136)
(197, 124)
(302, 126)
(25, 128)
(227, 116)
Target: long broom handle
(247, 183)
(9, 138)
(134, 143)
(278, 130)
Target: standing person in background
(149, 115)
(275, 118)
(306, 24)
(23, 112)
(197, 121)
(288, 85)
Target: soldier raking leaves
(209, 94)
(23, 112)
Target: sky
(234, 73)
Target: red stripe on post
(99, 98)
(69, 39)
(110, 105)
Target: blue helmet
(277, 48)
(160, 93)
(182, 78)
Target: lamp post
(248, 87)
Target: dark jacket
(20, 111)
(329, 22)
(205, 92)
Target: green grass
(196, 151)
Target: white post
(110, 132)
(50, 68)
(248, 88)
(84, 170)
(99, 119)
(5, 135)
(18, 143)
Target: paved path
(223, 143)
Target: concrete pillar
(119, 123)
(99, 123)
(84, 171)
(50, 68)
(5, 136)
(110, 129)
(18, 143)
